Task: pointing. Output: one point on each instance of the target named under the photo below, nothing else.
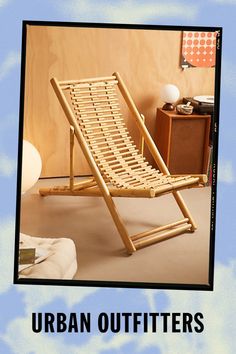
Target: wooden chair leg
(119, 224)
(140, 240)
(72, 142)
(185, 211)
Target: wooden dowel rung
(107, 149)
(84, 181)
(127, 178)
(117, 170)
(141, 163)
(105, 132)
(78, 96)
(157, 238)
(139, 184)
(202, 178)
(158, 229)
(152, 179)
(110, 146)
(94, 79)
(142, 181)
(133, 168)
(92, 110)
(111, 139)
(65, 87)
(102, 135)
(107, 163)
(104, 138)
(93, 97)
(80, 186)
(114, 141)
(92, 90)
(102, 129)
(111, 159)
(87, 87)
(132, 182)
(122, 173)
(107, 84)
(95, 106)
(110, 163)
(95, 137)
(103, 124)
(95, 192)
(96, 102)
(118, 166)
(142, 193)
(148, 173)
(175, 185)
(98, 115)
(95, 110)
(111, 150)
(124, 166)
(118, 153)
(113, 123)
(115, 127)
(104, 166)
(138, 168)
(94, 124)
(100, 120)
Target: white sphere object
(31, 166)
(169, 93)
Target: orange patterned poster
(198, 49)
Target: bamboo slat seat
(118, 166)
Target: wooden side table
(183, 141)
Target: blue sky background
(18, 302)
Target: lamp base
(168, 107)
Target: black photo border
(215, 137)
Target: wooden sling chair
(118, 167)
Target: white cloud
(217, 307)
(7, 165)
(128, 11)
(150, 296)
(37, 296)
(225, 2)
(27, 342)
(11, 60)
(7, 240)
(97, 344)
(4, 2)
(10, 121)
(226, 172)
(228, 76)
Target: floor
(100, 252)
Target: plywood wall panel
(145, 59)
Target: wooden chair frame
(98, 185)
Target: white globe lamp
(169, 94)
(31, 166)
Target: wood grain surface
(146, 59)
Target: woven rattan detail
(96, 108)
